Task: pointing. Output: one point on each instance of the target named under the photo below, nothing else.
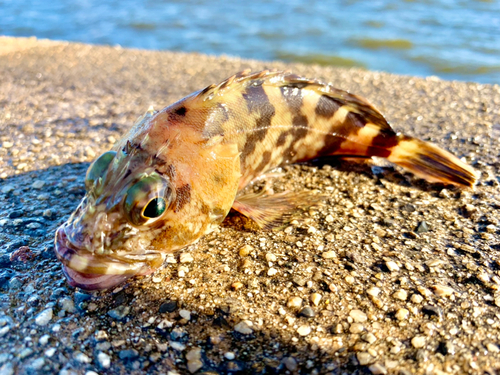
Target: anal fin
(273, 212)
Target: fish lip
(90, 281)
(72, 257)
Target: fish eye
(147, 200)
(98, 169)
(155, 208)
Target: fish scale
(176, 174)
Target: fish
(177, 173)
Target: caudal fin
(431, 162)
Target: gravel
(429, 293)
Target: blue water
(453, 39)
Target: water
(453, 39)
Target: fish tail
(431, 162)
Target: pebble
(418, 342)
(304, 330)
(237, 285)
(44, 317)
(178, 333)
(50, 352)
(245, 250)
(26, 352)
(364, 358)
(82, 357)
(294, 302)
(290, 363)
(356, 328)
(272, 271)
(119, 312)
(186, 314)
(370, 338)
(315, 298)
(38, 184)
(37, 364)
(229, 355)
(7, 369)
(185, 258)
(416, 298)
(270, 257)
(392, 266)
(422, 227)
(492, 348)
(243, 327)
(177, 346)
(307, 312)
(157, 278)
(165, 323)
(402, 314)
(4, 331)
(349, 279)
(7, 189)
(377, 369)
(103, 359)
(358, 316)
(168, 306)
(193, 358)
(15, 283)
(443, 290)
(329, 255)
(373, 291)
(128, 354)
(44, 340)
(67, 304)
(401, 295)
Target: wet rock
(44, 317)
(168, 306)
(193, 358)
(104, 360)
(119, 313)
(307, 312)
(290, 363)
(128, 354)
(15, 284)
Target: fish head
(159, 190)
(108, 237)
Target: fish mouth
(89, 271)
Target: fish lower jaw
(89, 281)
(89, 271)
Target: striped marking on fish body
(277, 118)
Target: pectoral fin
(273, 212)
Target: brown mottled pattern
(257, 102)
(327, 106)
(183, 196)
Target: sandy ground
(393, 275)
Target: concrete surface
(359, 286)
